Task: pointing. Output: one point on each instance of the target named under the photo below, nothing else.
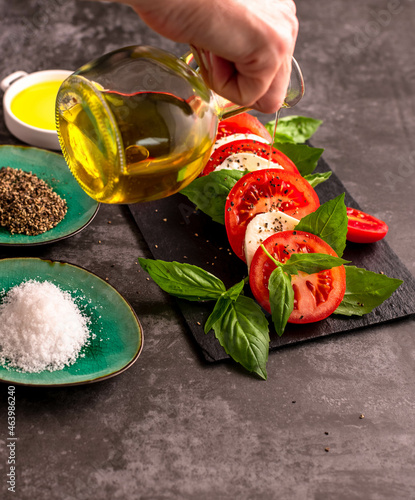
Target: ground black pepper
(28, 205)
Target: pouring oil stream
(277, 115)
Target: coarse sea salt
(41, 328)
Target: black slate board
(191, 236)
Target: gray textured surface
(173, 427)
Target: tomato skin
(264, 191)
(249, 146)
(364, 228)
(243, 123)
(317, 295)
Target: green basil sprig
(222, 303)
(209, 192)
(329, 222)
(242, 331)
(316, 179)
(365, 290)
(238, 321)
(183, 280)
(304, 157)
(311, 263)
(281, 294)
(281, 298)
(298, 129)
(280, 137)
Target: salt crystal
(41, 328)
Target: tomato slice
(265, 191)
(243, 123)
(317, 295)
(364, 228)
(249, 146)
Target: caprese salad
(291, 244)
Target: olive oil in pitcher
(163, 145)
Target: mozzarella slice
(238, 137)
(247, 162)
(264, 225)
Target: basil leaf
(316, 179)
(329, 222)
(365, 290)
(304, 157)
(183, 280)
(281, 138)
(209, 192)
(298, 128)
(311, 263)
(281, 298)
(219, 310)
(234, 292)
(222, 303)
(243, 332)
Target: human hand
(244, 47)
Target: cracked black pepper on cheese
(28, 205)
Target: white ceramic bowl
(13, 85)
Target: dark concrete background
(173, 427)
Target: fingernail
(200, 58)
(196, 54)
(205, 60)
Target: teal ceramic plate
(52, 168)
(118, 334)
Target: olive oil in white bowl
(29, 106)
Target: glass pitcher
(137, 124)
